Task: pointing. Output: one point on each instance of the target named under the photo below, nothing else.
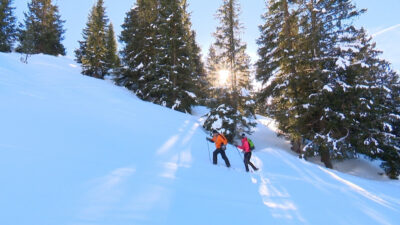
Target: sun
(223, 76)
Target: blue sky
(381, 19)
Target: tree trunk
(326, 158)
(298, 147)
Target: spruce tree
(391, 157)
(326, 27)
(97, 51)
(372, 87)
(229, 52)
(198, 71)
(43, 29)
(200, 87)
(8, 30)
(212, 69)
(276, 67)
(112, 58)
(160, 56)
(139, 47)
(173, 55)
(221, 118)
(228, 43)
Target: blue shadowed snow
(75, 150)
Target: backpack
(224, 143)
(251, 144)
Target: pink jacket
(245, 145)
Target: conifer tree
(372, 87)
(138, 53)
(391, 156)
(201, 84)
(112, 58)
(97, 52)
(43, 29)
(160, 57)
(173, 55)
(229, 46)
(221, 118)
(198, 70)
(277, 65)
(229, 52)
(326, 28)
(213, 65)
(8, 30)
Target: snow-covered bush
(228, 121)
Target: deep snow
(75, 150)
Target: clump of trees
(325, 85)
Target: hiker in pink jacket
(247, 153)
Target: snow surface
(75, 150)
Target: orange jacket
(218, 140)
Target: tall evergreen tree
(173, 55)
(391, 157)
(326, 28)
(43, 29)
(97, 52)
(198, 71)
(112, 58)
(213, 65)
(276, 68)
(160, 56)
(138, 53)
(229, 45)
(372, 87)
(229, 52)
(8, 30)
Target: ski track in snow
(80, 151)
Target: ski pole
(239, 153)
(208, 147)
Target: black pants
(222, 152)
(247, 157)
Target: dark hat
(215, 132)
(243, 135)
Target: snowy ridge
(75, 150)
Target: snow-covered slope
(77, 151)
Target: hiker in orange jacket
(220, 144)
(247, 153)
